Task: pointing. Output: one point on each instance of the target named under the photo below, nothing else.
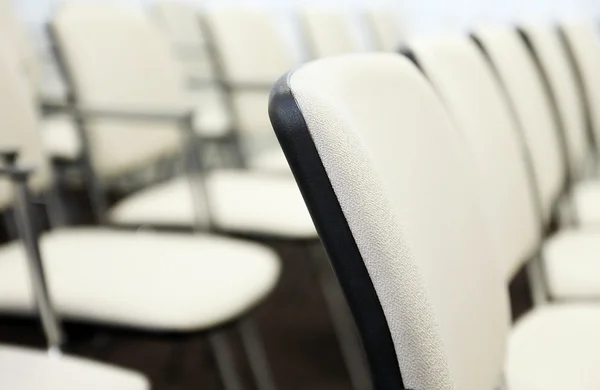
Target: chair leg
(256, 355)
(342, 321)
(224, 360)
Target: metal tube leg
(256, 355)
(225, 361)
(342, 321)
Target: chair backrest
(17, 40)
(553, 59)
(471, 92)
(19, 125)
(384, 177)
(251, 54)
(385, 28)
(532, 108)
(584, 47)
(116, 59)
(328, 32)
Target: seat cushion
(150, 280)
(239, 201)
(572, 264)
(27, 369)
(271, 160)
(586, 202)
(555, 347)
(60, 137)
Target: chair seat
(555, 347)
(572, 264)
(148, 280)
(271, 160)
(240, 201)
(60, 137)
(586, 202)
(27, 369)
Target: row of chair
(128, 107)
(433, 177)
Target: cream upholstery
(385, 28)
(142, 76)
(532, 109)
(562, 81)
(583, 41)
(586, 202)
(27, 369)
(424, 243)
(473, 96)
(259, 203)
(572, 264)
(328, 32)
(60, 137)
(154, 281)
(363, 111)
(555, 347)
(250, 51)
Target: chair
(126, 278)
(328, 32)
(537, 126)
(58, 130)
(388, 182)
(385, 28)
(25, 369)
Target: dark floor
(298, 336)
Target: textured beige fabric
(412, 215)
(28, 369)
(328, 32)
(147, 280)
(385, 28)
(582, 38)
(562, 81)
(524, 87)
(128, 67)
(474, 98)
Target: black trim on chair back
(333, 229)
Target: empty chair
(385, 28)
(570, 255)
(25, 369)
(250, 54)
(328, 32)
(389, 184)
(142, 280)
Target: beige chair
(328, 32)
(537, 126)
(151, 281)
(58, 130)
(386, 30)
(26, 369)
(398, 207)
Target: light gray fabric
(473, 96)
(422, 239)
(532, 109)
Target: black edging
(334, 232)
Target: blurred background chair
(385, 28)
(328, 32)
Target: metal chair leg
(342, 321)
(256, 355)
(225, 361)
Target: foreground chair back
(407, 240)
(328, 32)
